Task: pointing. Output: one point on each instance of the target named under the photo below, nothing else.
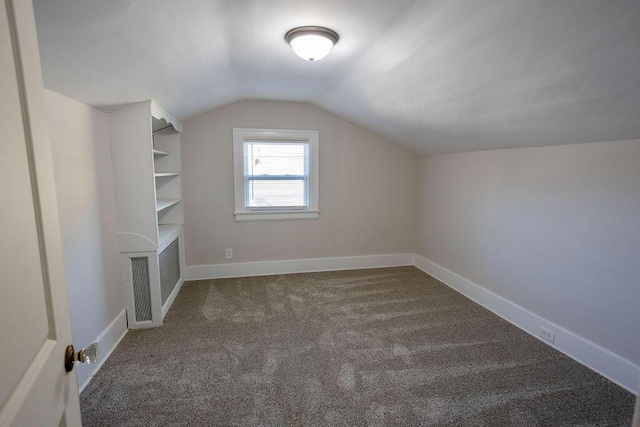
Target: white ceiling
(437, 76)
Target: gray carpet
(376, 347)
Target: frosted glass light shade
(311, 47)
(311, 43)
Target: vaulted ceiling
(436, 76)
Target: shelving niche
(145, 144)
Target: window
(275, 174)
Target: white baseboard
(610, 365)
(172, 297)
(107, 341)
(265, 268)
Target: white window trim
(240, 136)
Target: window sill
(275, 215)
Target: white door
(35, 389)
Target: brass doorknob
(86, 355)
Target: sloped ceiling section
(436, 76)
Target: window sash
(249, 178)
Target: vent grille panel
(169, 269)
(141, 291)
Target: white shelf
(160, 175)
(165, 203)
(160, 153)
(166, 235)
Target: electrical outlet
(229, 253)
(547, 334)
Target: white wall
(555, 230)
(367, 190)
(84, 185)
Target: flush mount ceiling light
(311, 43)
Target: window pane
(276, 174)
(275, 159)
(276, 193)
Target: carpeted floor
(376, 347)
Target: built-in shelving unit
(145, 142)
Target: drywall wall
(555, 230)
(367, 190)
(84, 185)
